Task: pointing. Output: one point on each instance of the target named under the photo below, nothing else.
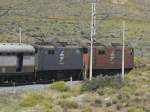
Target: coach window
(8, 54)
(30, 54)
(101, 52)
(51, 52)
(36, 50)
(13, 53)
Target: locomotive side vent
(51, 52)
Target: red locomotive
(108, 59)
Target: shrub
(114, 101)
(123, 97)
(132, 75)
(128, 89)
(98, 102)
(86, 109)
(57, 108)
(88, 98)
(68, 104)
(146, 72)
(100, 91)
(105, 90)
(135, 109)
(108, 104)
(76, 89)
(36, 99)
(73, 110)
(140, 62)
(119, 107)
(102, 82)
(31, 100)
(140, 91)
(60, 86)
(66, 95)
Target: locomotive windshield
(85, 50)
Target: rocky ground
(103, 94)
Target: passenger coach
(16, 58)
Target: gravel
(27, 88)
(22, 89)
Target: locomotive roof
(50, 46)
(75, 45)
(16, 47)
(95, 46)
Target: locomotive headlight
(77, 51)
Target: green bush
(108, 104)
(36, 99)
(140, 62)
(98, 102)
(119, 107)
(76, 89)
(73, 110)
(60, 86)
(146, 72)
(135, 109)
(132, 75)
(123, 98)
(57, 108)
(68, 104)
(105, 90)
(66, 95)
(86, 109)
(102, 82)
(128, 89)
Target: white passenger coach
(16, 58)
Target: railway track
(11, 84)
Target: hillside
(70, 20)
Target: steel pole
(93, 33)
(20, 35)
(123, 51)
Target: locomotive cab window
(131, 51)
(101, 52)
(51, 52)
(85, 50)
